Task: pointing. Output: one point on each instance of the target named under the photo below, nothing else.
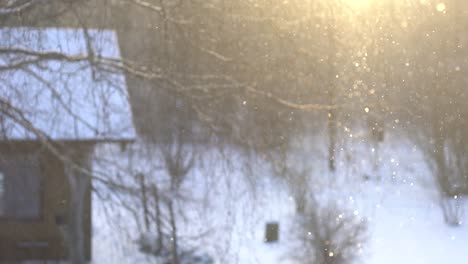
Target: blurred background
(246, 131)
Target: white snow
(66, 100)
(232, 206)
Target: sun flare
(359, 4)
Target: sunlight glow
(359, 4)
(440, 7)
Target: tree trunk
(332, 75)
(144, 200)
(175, 257)
(158, 218)
(332, 140)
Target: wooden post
(77, 167)
(271, 232)
(80, 183)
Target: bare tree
(329, 235)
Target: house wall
(56, 195)
(42, 238)
(139, 31)
(144, 39)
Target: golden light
(359, 4)
(440, 7)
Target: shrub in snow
(450, 190)
(191, 258)
(452, 210)
(328, 235)
(445, 153)
(149, 244)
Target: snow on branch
(148, 5)
(16, 6)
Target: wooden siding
(43, 238)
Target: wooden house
(53, 112)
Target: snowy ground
(409, 228)
(231, 207)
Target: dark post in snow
(272, 232)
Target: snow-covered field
(229, 207)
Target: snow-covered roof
(65, 100)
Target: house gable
(65, 99)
